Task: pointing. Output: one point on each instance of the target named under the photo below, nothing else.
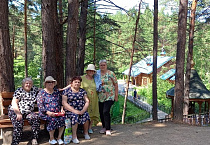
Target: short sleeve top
(108, 89)
(75, 100)
(27, 100)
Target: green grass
(133, 113)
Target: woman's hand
(19, 116)
(77, 112)
(62, 111)
(64, 88)
(51, 114)
(82, 111)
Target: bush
(133, 113)
(162, 86)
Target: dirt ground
(151, 133)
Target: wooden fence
(197, 119)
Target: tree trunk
(49, 10)
(180, 60)
(25, 38)
(73, 8)
(94, 34)
(13, 43)
(131, 62)
(154, 76)
(82, 37)
(6, 61)
(59, 55)
(189, 59)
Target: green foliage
(162, 86)
(19, 71)
(114, 38)
(133, 113)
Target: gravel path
(151, 133)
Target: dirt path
(144, 134)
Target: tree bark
(25, 38)
(180, 60)
(94, 34)
(49, 11)
(154, 76)
(82, 37)
(131, 62)
(59, 55)
(189, 59)
(6, 61)
(73, 10)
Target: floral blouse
(48, 102)
(108, 89)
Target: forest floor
(150, 133)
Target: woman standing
(49, 102)
(89, 85)
(107, 96)
(22, 107)
(75, 103)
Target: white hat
(91, 67)
(50, 79)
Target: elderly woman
(75, 103)
(21, 108)
(89, 85)
(107, 95)
(49, 101)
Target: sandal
(34, 142)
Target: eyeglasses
(49, 82)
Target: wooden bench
(5, 123)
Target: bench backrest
(6, 101)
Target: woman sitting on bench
(75, 103)
(22, 107)
(49, 101)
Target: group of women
(82, 101)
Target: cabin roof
(168, 74)
(143, 67)
(197, 89)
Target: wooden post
(1, 107)
(172, 108)
(200, 104)
(205, 107)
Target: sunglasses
(49, 82)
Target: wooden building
(198, 94)
(141, 72)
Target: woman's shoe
(87, 137)
(60, 141)
(90, 131)
(102, 131)
(34, 142)
(108, 132)
(53, 141)
(75, 141)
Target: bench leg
(7, 136)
